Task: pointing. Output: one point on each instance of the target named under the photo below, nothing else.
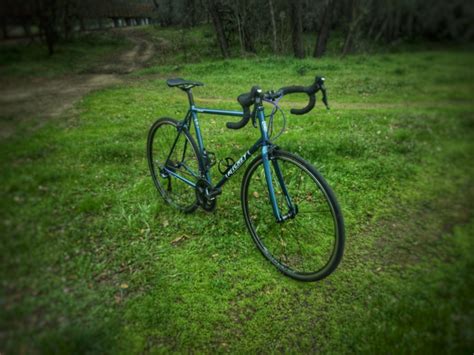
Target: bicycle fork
(269, 161)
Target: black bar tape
(308, 90)
(245, 100)
(309, 107)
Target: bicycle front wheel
(174, 163)
(308, 246)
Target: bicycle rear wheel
(171, 150)
(309, 246)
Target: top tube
(217, 112)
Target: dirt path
(131, 60)
(38, 99)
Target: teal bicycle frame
(264, 143)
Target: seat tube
(197, 130)
(199, 139)
(266, 162)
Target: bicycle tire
(176, 192)
(267, 233)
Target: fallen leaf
(179, 239)
(255, 194)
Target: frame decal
(238, 164)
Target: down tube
(236, 166)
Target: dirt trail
(136, 58)
(38, 99)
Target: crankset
(206, 195)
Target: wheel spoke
(176, 151)
(303, 246)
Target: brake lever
(254, 117)
(325, 96)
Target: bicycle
(289, 209)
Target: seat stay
(180, 129)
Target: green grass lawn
(88, 259)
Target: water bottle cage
(209, 159)
(225, 164)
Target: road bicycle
(289, 209)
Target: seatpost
(190, 97)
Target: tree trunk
(274, 29)
(381, 31)
(191, 7)
(240, 31)
(247, 31)
(4, 27)
(219, 28)
(296, 28)
(248, 39)
(396, 24)
(351, 33)
(50, 34)
(68, 26)
(323, 34)
(26, 23)
(171, 13)
(409, 25)
(48, 22)
(82, 25)
(373, 25)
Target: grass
(89, 263)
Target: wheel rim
(183, 161)
(305, 245)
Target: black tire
(185, 161)
(317, 244)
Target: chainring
(207, 204)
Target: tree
(47, 12)
(355, 18)
(246, 25)
(324, 29)
(296, 28)
(274, 29)
(213, 7)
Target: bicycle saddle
(183, 84)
